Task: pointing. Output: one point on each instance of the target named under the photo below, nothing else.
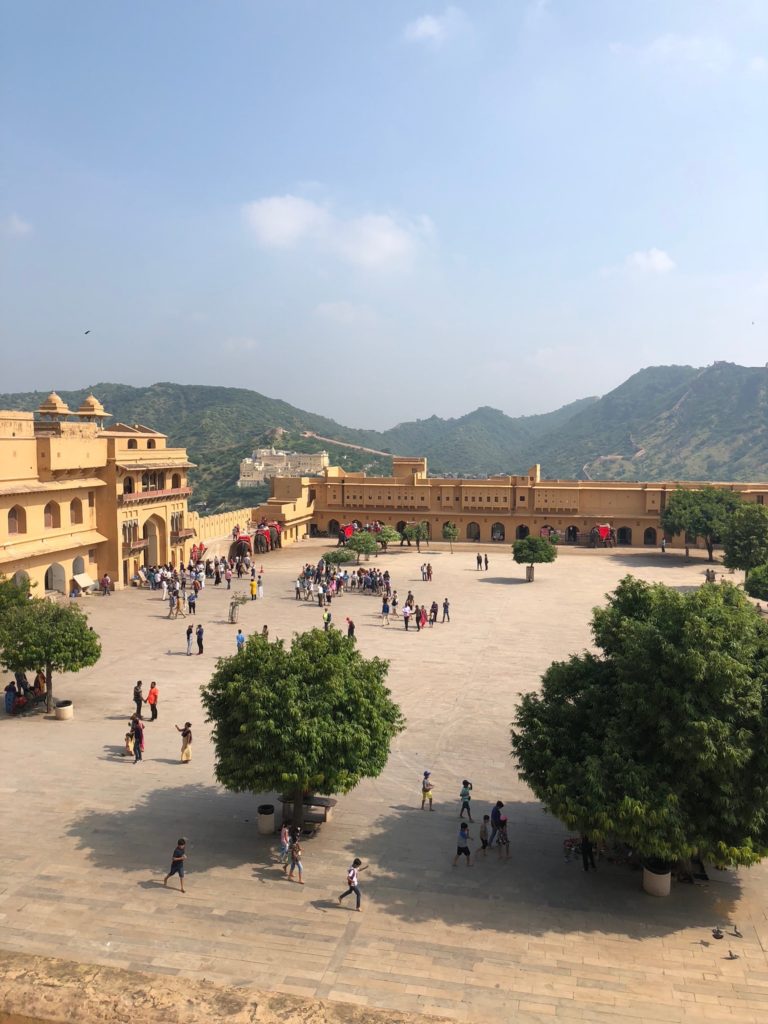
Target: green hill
(664, 422)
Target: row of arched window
(133, 443)
(151, 481)
(17, 516)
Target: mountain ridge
(664, 422)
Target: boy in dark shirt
(177, 863)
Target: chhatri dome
(91, 406)
(54, 406)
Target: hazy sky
(382, 209)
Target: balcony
(131, 547)
(141, 496)
(184, 534)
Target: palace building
(78, 499)
(496, 509)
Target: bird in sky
(87, 332)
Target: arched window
(17, 520)
(52, 516)
(161, 481)
(333, 528)
(133, 443)
(521, 532)
(176, 481)
(76, 511)
(649, 537)
(78, 565)
(624, 535)
(145, 481)
(473, 531)
(151, 443)
(128, 485)
(497, 532)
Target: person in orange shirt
(151, 699)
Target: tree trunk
(711, 550)
(48, 688)
(298, 806)
(529, 574)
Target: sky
(381, 210)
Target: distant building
(496, 509)
(266, 463)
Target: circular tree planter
(266, 819)
(65, 709)
(657, 877)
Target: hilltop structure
(496, 509)
(266, 463)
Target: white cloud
(758, 67)
(435, 29)
(241, 344)
(372, 240)
(708, 53)
(16, 227)
(347, 313)
(651, 261)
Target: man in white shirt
(352, 875)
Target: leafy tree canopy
(661, 739)
(745, 540)
(12, 594)
(315, 716)
(416, 532)
(533, 550)
(703, 513)
(756, 584)
(362, 543)
(387, 535)
(340, 556)
(40, 634)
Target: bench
(318, 809)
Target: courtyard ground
(87, 835)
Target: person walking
(285, 846)
(327, 620)
(663, 551)
(186, 742)
(426, 790)
(353, 886)
(137, 731)
(406, 615)
(588, 853)
(106, 586)
(259, 588)
(462, 845)
(479, 561)
(446, 610)
(465, 796)
(190, 633)
(152, 698)
(177, 863)
(228, 578)
(138, 698)
(350, 627)
(495, 820)
(485, 562)
(192, 605)
(252, 587)
(199, 633)
(296, 864)
(240, 640)
(385, 611)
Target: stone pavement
(87, 836)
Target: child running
(465, 796)
(462, 845)
(177, 863)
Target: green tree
(756, 584)
(702, 513)
(387, 535)
(362, 543)
(416, 532)
(315, 717)
(340, 556)
(12, 594)
(533, 551)
(660, 740)
(450, 533)
(745, 538)
(42, 634)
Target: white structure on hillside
(268, 462)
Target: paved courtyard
(87, 836)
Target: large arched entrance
(572, 534)
(154, 532)
(55, 578)
(497, 532)
(333, 528)
(21, 578)
(521, 532)
(624, 535)
(649, 537)
(473, 531)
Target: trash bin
(64, 709)
(266, 819)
